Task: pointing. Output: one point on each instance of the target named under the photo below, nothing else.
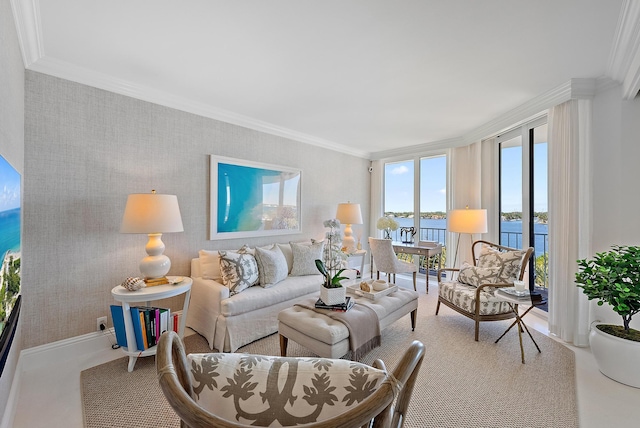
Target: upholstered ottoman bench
(329, 338)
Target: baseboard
(70, 348)
(39, 356)
(12, 401)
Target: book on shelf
(176, 318)
(117, 317)
(341, 307)
(137, 330)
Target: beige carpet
(462, 383)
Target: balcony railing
(509, 239)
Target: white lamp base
(156, 264)
(349, 242)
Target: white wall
(616, 177)
(11, 144)
(87, 149)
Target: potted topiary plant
(613, 277)
(331, 292)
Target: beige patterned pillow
(509, 262)
(272, 265)
(239, 270)
(279, 391)
(304, 258)
(477, 276)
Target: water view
(511, 232)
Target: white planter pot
(333, 296)
(617, 358)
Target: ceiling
(363, 76)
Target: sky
(399, 185)
(399, 182)
(9, 186)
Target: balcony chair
(240, 390)
(386, 260)
(494, 266)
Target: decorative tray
(512, 291)
(373, 295)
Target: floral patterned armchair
(472, 292)
(240, 390)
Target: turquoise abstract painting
(253, 199)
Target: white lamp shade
(349, 213)
(467, 221)
(151, 213)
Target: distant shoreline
(5, 261)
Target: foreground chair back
(229, 390)
(386, 260)
(472, 292)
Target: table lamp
(153, 214)
(349, 214)
(466, 221)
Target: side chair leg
(438, 306)
(415, 288)
(284, 341)
(413, 320)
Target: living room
(82, 147)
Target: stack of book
(148, 324)
(342, 307)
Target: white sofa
(229, 322)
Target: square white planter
(333, 296)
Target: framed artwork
(10, 251)
(251, 199)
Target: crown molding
(65, 70)
(26, 15)
(624, 61)
(417, 150)
(572, 89)
(27, 18)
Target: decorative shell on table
(133, 284)
(364, 286)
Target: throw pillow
(304, 258)
(210, 265)
(272, 266)
(288, 255)
(509, 262)
(239, 270)
(477, 276)
(238, 387)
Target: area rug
(462, 383)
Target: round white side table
(147, 295)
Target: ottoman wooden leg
(284, 341)
(413, 319)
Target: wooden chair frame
(175, 382)
(476, 315)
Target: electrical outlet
(101, 321)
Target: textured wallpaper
(86, 149)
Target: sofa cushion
(477, 276)
(239, 270)
(279, 391)
(464, 297)
(272, 266)
(510, 263)
(304, 258)
(256, 298)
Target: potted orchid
(332, 292)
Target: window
(415, 194)
(523, 203)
